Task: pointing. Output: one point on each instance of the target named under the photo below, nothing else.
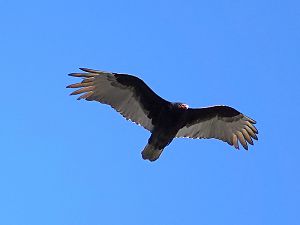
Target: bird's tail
(151, 153)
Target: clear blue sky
(68, 162)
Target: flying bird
(134, 100)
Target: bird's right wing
(127, 94)
(220, 122)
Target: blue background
(68, 162)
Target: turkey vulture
(135, 101)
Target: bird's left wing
(127, 94)
(220, 122)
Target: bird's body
(165, 130)
(134, 100)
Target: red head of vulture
(134, 100)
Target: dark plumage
(134, 100)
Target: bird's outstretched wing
(220, 122)
(127, 94)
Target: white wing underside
(230, 130)
(103, 87)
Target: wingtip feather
(91, 70)
(87, 75)
(250, 119)
(86, 95)
(82, 84)
(82, 90)
(235, 142)
(242, 139)
(85, 69)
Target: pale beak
(184, 106)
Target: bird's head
(180, 105)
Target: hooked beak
(184, 106)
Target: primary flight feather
(134, 100)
